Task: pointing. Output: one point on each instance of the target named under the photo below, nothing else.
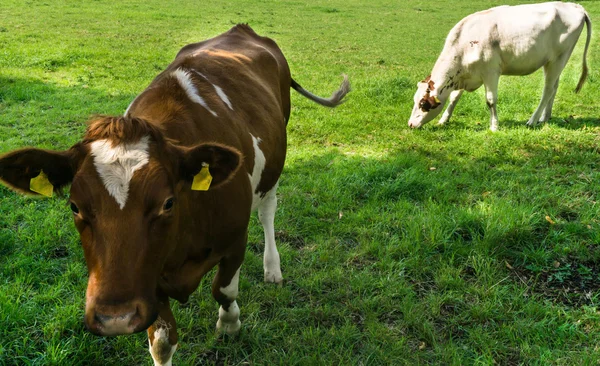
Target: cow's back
(233, 89)
(517, 39)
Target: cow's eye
(168, 204)
(74, 208)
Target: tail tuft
(333, 101)
(584, 71)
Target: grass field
(445, 246)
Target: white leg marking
(266, 215)
(259, 166)
(185, 81)
(231, 290)
(162, 351)
(116, 165)
(229, 321)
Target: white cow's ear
(18, 168)
(220, 161)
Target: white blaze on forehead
(187, 84)
(259, 166)
(116, 165)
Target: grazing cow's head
(126, 180)
(428, 103)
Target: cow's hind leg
(552, 71)
(225, 291)
(491, 98)
(547, 112)
(266, 215)
(162, 335)
(454, 97)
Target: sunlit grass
(445, 245)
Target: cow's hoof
(274, 277)
(531, 123)
(494, 128)
(231, 329)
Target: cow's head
(428, 103)
(126, 181)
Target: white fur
(218, 89)
(231, 290)
(157, 362)
(259, 166)
(229, 321)
(506, 40)
(185, 81)
(266, 215)
(161, 337)
(116, 165)
(223, 96)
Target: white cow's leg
(266, 215)
(547, 112)
(225, 291)
(454, 97)
(552, 73)
(162, 336)
(491, 97)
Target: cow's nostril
(99, 318)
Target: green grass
(386, 259)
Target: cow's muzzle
(110, 320)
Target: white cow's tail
(333, 101)
(584, 72)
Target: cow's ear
(434, 101)
(18, 168)
(209, 165)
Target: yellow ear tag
(436, 100)
(202, 180)
(41, 185)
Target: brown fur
(145, 252)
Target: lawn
(446, 245)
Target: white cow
(506, 40)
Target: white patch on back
(223, 96)
(129, 107)
(259, 166)
(116, 165)
(185, 81)
(219, 91)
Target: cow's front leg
(454, 97)
(225, 291)
(266, 215)
(162, 336)
(491, 98)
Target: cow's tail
(333, 101)
(584, 71)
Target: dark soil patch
(573, 283)
(293, 241)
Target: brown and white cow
(222, 106)
(506, 40)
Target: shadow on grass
(494, 204)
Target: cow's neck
(446, 74)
